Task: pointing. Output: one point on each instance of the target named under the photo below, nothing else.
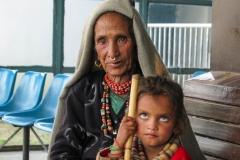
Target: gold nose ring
(113, 59)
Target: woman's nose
(112, 49)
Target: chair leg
(26, 136)
(10, 137)
(35, 133)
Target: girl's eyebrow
(141, 111)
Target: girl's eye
(143, 115)
(164, 119)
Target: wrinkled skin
(113, 40)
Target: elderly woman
(115, 45)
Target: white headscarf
(148, 57)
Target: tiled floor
(17, 155)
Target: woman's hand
(127, 128)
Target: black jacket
(80, 135)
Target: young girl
(157, 125)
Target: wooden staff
(131, 113)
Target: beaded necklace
(119, 88)
(107, 127)
(166, 154)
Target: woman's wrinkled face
(114, 43)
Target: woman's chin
(117, 72)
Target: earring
(97, 63)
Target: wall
(225, 36)
(26, 32)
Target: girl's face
(156, 122)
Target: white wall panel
(26, 32)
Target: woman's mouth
(115, 64)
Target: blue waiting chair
(45, 109)
(7, 82)
(45, 124)
(27, 95)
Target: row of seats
(25, 107)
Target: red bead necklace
(119, 88)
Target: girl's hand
(127, 128)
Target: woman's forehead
(112, 18)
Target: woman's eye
(143, 115)
(164, 118)
(102, 41)
(122, 40)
